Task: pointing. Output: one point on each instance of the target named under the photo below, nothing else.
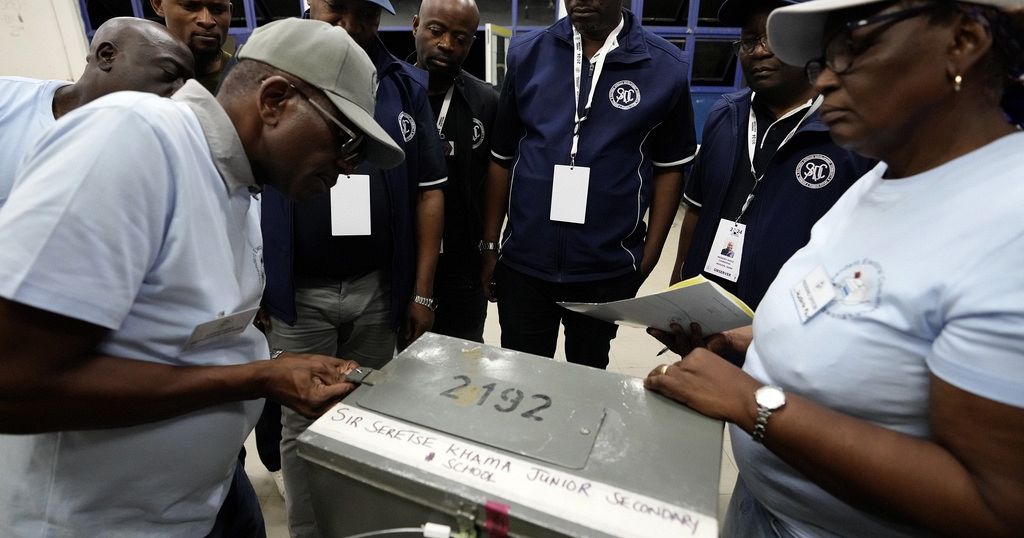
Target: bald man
(465, 107)
(126, 54)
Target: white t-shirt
(929, 280)
(26, 111)
(122, 218)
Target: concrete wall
(42, 39)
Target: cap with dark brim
(795, 33)
(735, 12)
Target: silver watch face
(770, 397)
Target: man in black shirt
(465, 108)
(203, 26)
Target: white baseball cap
(796, 32)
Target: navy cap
(384, 4)
(735, 12)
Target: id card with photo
(726, 250)
(813, 293)
(350, 205)
(569, 188)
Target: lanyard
(752, 142)
(597, 65)
(444, 110)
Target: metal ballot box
(492, 442)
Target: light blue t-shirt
(133, 213)
(26, 111)
(927, 271)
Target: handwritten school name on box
(561, 494)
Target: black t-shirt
(467, 141)
(320, 254)
(457, 221)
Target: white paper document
(695, 300)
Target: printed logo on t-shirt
(257, 260)
(407, 125)
(815, 171)
(624, 95)
(478, 133)
(858, 289)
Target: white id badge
(569, 193)
(813, 293)
(350, 205)
(221, 327)
(726, 250)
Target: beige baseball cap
(796, 32)
(327, 58)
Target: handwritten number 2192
(511, 398)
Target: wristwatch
(769, 398)
(425, 301)
(276, 353)
(484, 246)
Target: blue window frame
(690, 24)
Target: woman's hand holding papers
(682, 342)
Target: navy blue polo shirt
(297, 237)
(641, 117)
(803, 179)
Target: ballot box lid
(563, 447)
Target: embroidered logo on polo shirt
(478, 133)
(624, 95)
(815, 171)
(407, 125)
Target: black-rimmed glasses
(749, 45)
(841, 49)
(351, 149)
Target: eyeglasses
(749, 45)
(841, 49)
(351, 149)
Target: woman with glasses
(883, 390)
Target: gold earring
(958, 83)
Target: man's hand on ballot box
(309, 384)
